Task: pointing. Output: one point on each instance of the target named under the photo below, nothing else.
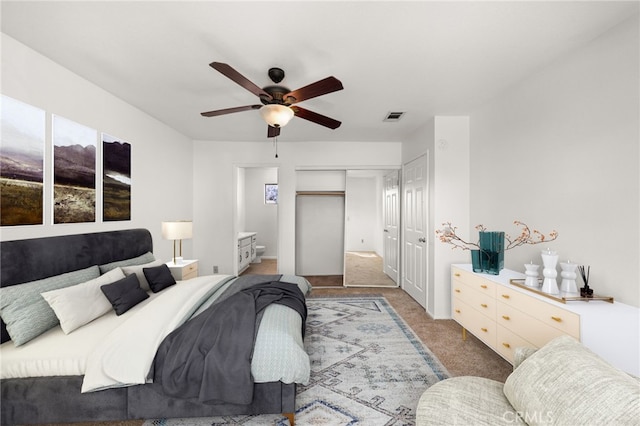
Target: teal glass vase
(476, 264)
(492, 251)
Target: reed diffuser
(584, 273)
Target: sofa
(562, 383)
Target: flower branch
(448, 235)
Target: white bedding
(125, 355)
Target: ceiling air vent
(393, 116)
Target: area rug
(367, 368)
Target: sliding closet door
(319, 234)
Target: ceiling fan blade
(321, 87)
(316, 118)
(229, 110)
(239, 78)
(272, 132)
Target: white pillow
(80, 304)
(137, 269)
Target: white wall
(445, 142)
(160, 157)
(560, 151)
(260, 217)
(362, 224)
(214, 188)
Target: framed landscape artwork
(116, 180)
(74, 171)
(21, 163)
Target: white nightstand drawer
(185, 270)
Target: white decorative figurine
(568, 275)
(550, 260)
(532, 275)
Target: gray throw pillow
(25, 311)
(140, 260)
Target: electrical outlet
(215, 269)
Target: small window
(271, 193)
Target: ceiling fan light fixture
(276, 115)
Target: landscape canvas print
(116, 186)
(21, 163)
(74, 171)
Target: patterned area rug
(367, 368)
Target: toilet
(259, 252)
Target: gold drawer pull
(484, 329)
(457, 311)
(456, 274)
(506, 317)
(484, 286)
(506, 345)
(484, 305)
(457, 290)
(506, 296)
(557, 319)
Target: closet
(320, 212)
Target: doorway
(370, 259)
(257, 211)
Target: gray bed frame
(58, 399)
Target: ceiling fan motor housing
(277, 94)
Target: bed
(41, 385)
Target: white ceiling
(423, 57)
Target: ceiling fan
(278, 102)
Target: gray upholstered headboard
(28, 260)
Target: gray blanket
(209, 357)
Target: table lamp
(177, 230)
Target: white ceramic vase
(532, 275)
(550, 260)
(568, 275)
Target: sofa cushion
(465, 401)
(564, 383)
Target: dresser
(505, 316)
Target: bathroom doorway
(257, 211)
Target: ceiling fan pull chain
(275, 144)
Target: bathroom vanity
(246, 249)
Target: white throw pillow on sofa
(564, 383)
(80, 304)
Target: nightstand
(184, 270)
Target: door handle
(386, 230)
(422, 240)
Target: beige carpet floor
(364, 269)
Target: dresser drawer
(480, 301)
(507, 342)
(474, 281)
(551, 315)
(481, 326)
(527, 326)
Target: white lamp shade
(179, 230)
(276, 115)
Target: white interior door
(414, 224)
(391, 243)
